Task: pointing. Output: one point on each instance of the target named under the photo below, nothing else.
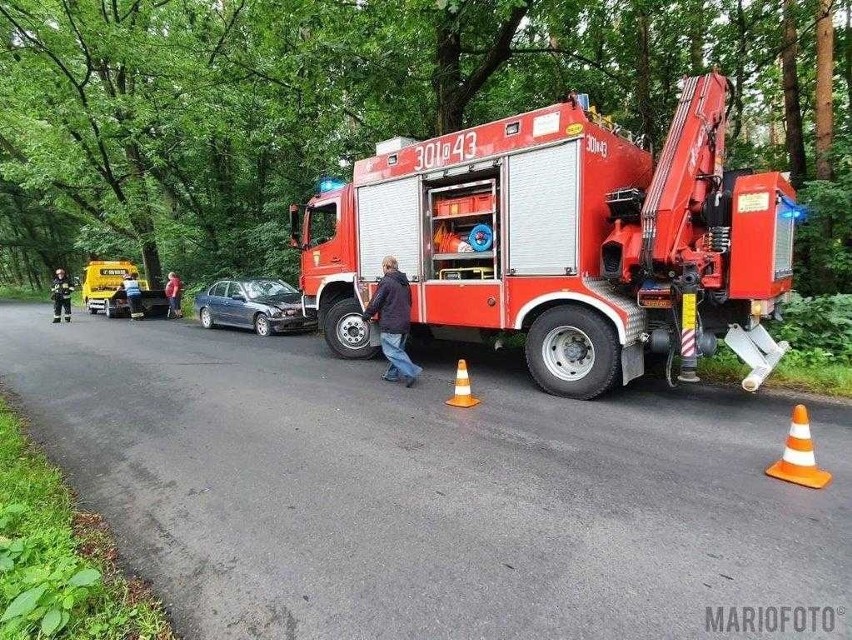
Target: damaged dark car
(268, 306)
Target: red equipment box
(465, 205)
(761, 238)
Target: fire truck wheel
(572, 352)
(346, 331)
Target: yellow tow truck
(103, 290)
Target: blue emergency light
(789, 209)
(330, 184)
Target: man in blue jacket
(134, 296)
(393, 304)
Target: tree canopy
(176, 132)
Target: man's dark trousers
(60, 304)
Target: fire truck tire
(573, 352)
(346, 331)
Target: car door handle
(335, 259)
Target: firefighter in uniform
(60, 293)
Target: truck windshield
(267, 289)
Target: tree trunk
(151, 262)
(696, 36)
(453, 91)
(824, 73)
(847, 35)
(142, 221)
(792, 107)
(32, 274)
(16, 266)
(739, 76)
(643, 74)
(447, 79)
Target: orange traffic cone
(462, 397)
(798, 464)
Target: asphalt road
(269, 490)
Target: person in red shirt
(173, 291)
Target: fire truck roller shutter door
(389, 225)
(543, 210)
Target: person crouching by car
(173, 291)
(393, 304)
(134, 295)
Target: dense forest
(176, 132)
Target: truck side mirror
(295, 240)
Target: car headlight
(291, 312)
(277, 313)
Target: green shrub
(819, 329)
(823, 263)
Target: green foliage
(819, 328)
(824, 242)
(47, 590)
(191, 126)
(48, 595)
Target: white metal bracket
(758, 350)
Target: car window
(234, 289)
(219, 289)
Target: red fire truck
(554, 223)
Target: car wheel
(346, 331)
(262, 326)
(206, 318)
(573, 352)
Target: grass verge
(828, 379)
(58, 573)
(24, 293)
(187, 305)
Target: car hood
(287, 301)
